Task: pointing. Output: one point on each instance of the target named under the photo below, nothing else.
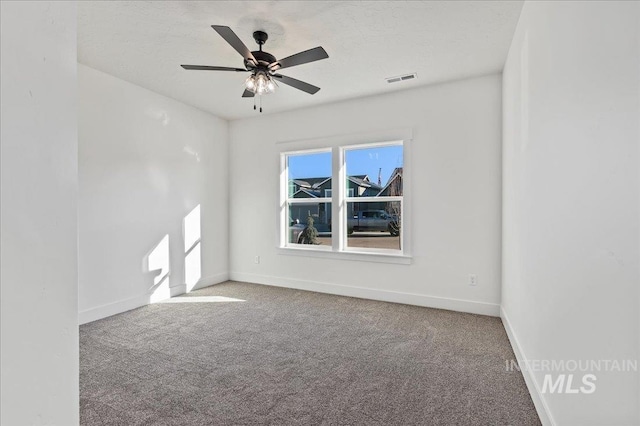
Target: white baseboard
(125, 305)
(113, 308)
(460, 305)
(532, 384)
(177, 290)
(210, 280)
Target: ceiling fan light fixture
(250, 83)
(260, 84)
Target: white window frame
(285, 201)
(329, 194)
(338, 200)
(344, 200)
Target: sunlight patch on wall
(193, 257)
(157, 265)
(192, 267)
(192, 228)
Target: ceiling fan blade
(301, 85)
(307, 56)
(231, 38)
(210, 68)
(248, 94)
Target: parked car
(374, 220)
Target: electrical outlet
(256, 260)
(473, 279)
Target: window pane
(374, 225)
(299, 215)
(309, 175)
(374, 171)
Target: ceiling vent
(401, 78)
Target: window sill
(400, 259)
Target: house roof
(316, 182)
(363, 180)
(302, 192)
(313, 183)
(397, 172)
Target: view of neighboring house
(394, 184)
(310, 187)
(357, 185)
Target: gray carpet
(285, 357)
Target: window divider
(284, 195)
(309, 200)
(337, 189)
(373, 199)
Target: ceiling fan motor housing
(260, 37)
(263, 58)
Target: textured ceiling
(145, 42)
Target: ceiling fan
(263, 65)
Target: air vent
(401, 78)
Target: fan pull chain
(261, 104)
(254, 103)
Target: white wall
(39, 183)
(571, 200)
(456, 196)
(146, 162)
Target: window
(374, 212)
(364, 216)
(307, 202)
